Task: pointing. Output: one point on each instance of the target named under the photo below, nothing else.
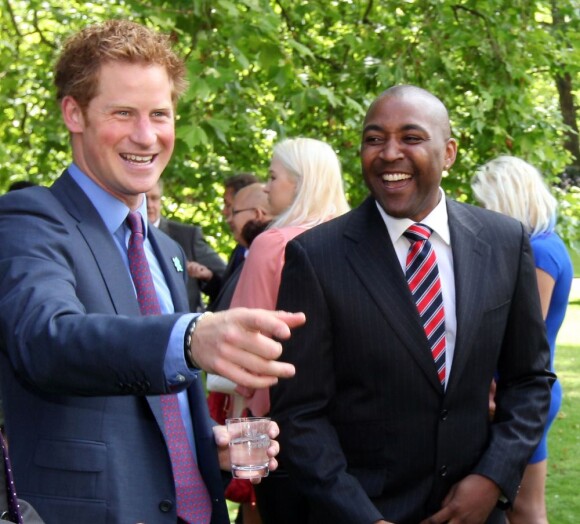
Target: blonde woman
(513, 187)
(305, 188)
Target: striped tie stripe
(423, 279)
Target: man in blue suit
(83, 372)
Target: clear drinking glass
(249, 442)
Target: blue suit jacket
(82, 370)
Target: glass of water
(249, 443)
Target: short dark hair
(252, 228)
(240, 180)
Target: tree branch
(368, 9)
(12, 18)
(43, 39)
(496, 50)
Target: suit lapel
(116, 278)
(172, 263)
(375, 263)
(471, 259)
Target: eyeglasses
(236, 211)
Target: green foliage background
(261, 70)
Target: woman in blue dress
(513, 187)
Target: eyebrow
(406, 127)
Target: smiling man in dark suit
(387, 418)
(100, 358)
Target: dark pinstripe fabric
(366, 429)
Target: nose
(391, 150)
(144, 133)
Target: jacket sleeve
(523, 383)
(309, 444)
(60, 327)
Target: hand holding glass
(249, 443)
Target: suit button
(166, 506)
(444, 414)
(443, 471)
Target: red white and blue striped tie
(423, 279)
(193, 500)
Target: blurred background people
(231, 187)
(305, 188)
(203, 263)
(513, 187)
(249, 216)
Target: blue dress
(551, 256)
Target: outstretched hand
(240, 344)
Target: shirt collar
(112, 211)
(437, 220)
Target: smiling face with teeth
(125, 137)
(406, 145)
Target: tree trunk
(568, 109)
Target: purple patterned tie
(13, 510)
(193, 500)
(423, 279)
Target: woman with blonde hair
(513, 187)
(305, 189)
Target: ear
(450, 153)
(72, 115)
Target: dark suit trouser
(279, 502)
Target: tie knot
(135, 223)
(418, 232)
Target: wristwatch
(189, 332)
(503, 503)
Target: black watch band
(189, 332)
(503, 503)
